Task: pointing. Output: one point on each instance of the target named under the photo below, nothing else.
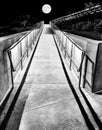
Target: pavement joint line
(46, 105)
(45, 83)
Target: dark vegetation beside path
(22, 23)
(88, 25)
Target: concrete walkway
(50, 104)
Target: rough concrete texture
(50, 104)
(12, 111)
(5, 72)
(14, 120)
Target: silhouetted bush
(98, 27)
(90, 27)
(22, 23)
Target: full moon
(46, 8)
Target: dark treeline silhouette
(18, 24)
(89, 25)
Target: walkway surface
(50, 104)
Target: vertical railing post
(31, 40)
(21, 55)
(27, 45)
(65, 48)
(33, 37)
(85, 71)
(11, 67)
(80, 68)
(71, 56)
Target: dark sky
(9, 10)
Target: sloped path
(50, 104)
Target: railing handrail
(79, 69)
(19, 40)
(75, 43)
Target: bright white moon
(46, 8)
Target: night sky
(9, 10)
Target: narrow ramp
(50, 104)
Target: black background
(9, 10)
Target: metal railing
(20, 50)
(75, 56)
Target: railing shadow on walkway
(94, 114)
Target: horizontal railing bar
(68, 37)
(16, 43)
(19, 40)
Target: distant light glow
(46, 8)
